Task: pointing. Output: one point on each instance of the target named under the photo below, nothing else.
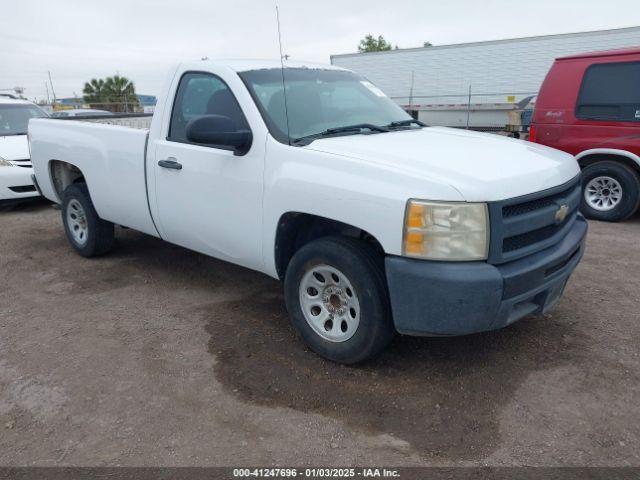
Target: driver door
(208, 199)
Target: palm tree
(121, 92)
(94, 92)
(116, 93)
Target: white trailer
(476, 83)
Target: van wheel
(337, 299)
(610, 191)
(87, 233)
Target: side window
(202, 94)
(610, 91)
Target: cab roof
(604, 53)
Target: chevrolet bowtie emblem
(561, 213)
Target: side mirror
(219, 131)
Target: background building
(148, 102)
(476, 82)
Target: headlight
(5, 163)
(446, 231)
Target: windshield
(318, 100)
(14, 118)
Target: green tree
(371, 44)
(122, 93)
(93, 91)
(117, 94)
(427, 44)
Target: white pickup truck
(310, 174)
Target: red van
(589, 106)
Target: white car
(375, 222)
(15, 164)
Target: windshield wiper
(348, 129)
(405, 123)
(357, 126)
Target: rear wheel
(610, 191)
(337, 299)
(87, 233)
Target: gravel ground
(154, 355)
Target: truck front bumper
(448, 298)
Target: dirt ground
(154, 355)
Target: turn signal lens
(414, 243)
(446, 231)
(415, 217)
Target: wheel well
(601, 157)
(64, 174)
(297, 229)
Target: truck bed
(111, 157)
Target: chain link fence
(487, 111)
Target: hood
(482, 167)
(14, 147)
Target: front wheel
(337, 299)
(87, 233)
(610, 191)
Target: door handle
(170, 163)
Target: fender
(609, 151)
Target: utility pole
(411, 90)
(468, 106)
(46, 86)
(53, 92)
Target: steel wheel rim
(77, 222)
(603, 193)
(329, 303)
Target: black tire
(629, 183)
(364, 268)
(100, 233)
